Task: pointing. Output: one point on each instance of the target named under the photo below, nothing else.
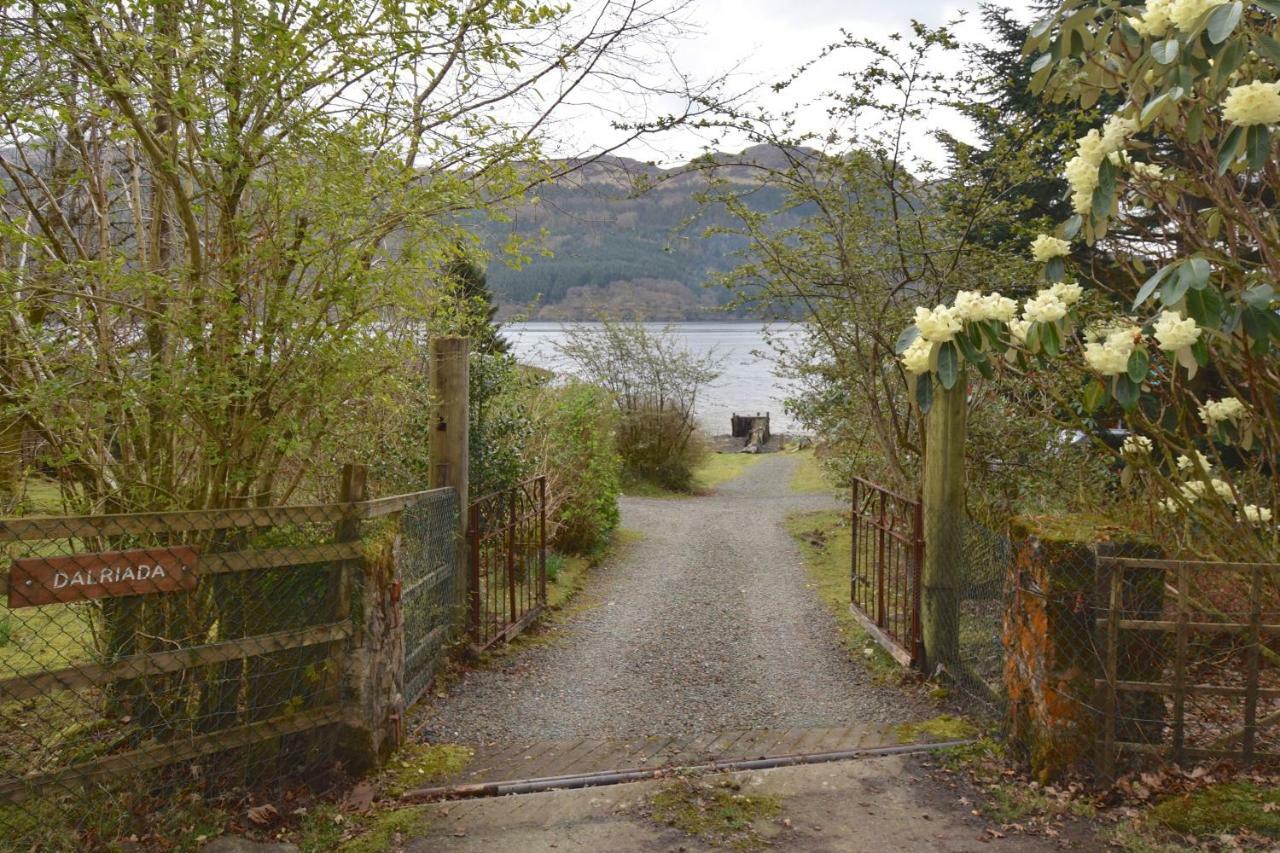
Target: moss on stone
(417, 765)
(390, 830)
(1231, 807)
(715, 813)
(944, 728)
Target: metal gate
(888, 556)
(507, 557)
(428, 568)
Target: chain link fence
(1116, 657)
(431, 603)
(155, 658)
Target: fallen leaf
(263, 814)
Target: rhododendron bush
(1160, 292)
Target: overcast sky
(764, 39)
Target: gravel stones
(704, 624)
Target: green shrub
(580, 460)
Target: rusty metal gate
(507, 561)
(888, 556)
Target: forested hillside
(628, 238)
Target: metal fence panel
(507, 559)
(429, 571)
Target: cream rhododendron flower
(1046, 248)
(1193, 491)
(1185, 14)
(1044, 307)
(1068, 291)
(1173, 331)
(972, 306)
(1151, 171)
(1091, 149)
(938, 325)
(1111, 357)
(1252, 103)
(915, 358)
(1169, 505)
(1018, 329)
(1136, 446)
(1000, 308)
(1222, 489)
(1227, 409)
(1186, 463)
(1155, 20)
(1255, 514)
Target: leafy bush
(654, 382)
(581, 463)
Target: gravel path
(704, 624)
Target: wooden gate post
(450, 424)
(944, 520)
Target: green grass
(824, 538)
(809, 477)
(714, 470)
(720, 468)
(943, 728)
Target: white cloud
(763, 41)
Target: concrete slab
(880, 804)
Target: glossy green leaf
(1150, 285)
(1071, 227)
(1197, 272)
(1055, 269)
(1127, 392)
(1222, 21)
(1139, 361)
(1258, 146)
(1205, 307)
(948, 365)
(1230, 149)
(906, 339)
(1175, 287)
(1050, 339)
(1268, 47)
(1165, 52)
(1200, 352)
(1260, 296)
(924, 391)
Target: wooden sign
(48, 580)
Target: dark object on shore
(753, 429)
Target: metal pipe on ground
(638, 774)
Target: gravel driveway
(704, 624)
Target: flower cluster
(1254, 514)
(1136, 447)
(916, 357)
(1199, 463)
(1150, 171)
(1091, 149)
(1044, 307)
(1213, 412)
(1253, 103)
(939, 324)
(1173, 331)
(1182, 14)
(1110, 357)
(972, 306)
(1045, 248)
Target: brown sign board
(108, 574)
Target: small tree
(655, 382)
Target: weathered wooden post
(944, 519)
(450, 422)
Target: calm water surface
(747, 383)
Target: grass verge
(716, 469)
(824, 539)
(809, 477)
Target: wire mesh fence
(151, 656)
(983, 573)
(429, 573)
(1117, 657)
